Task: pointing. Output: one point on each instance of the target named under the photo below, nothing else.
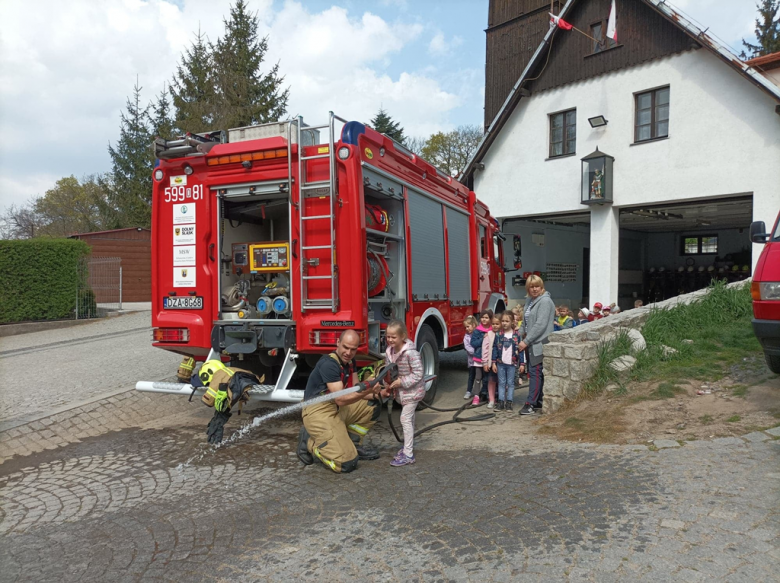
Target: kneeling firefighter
(333, 431)
(225, 388)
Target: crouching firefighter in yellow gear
(333, 431)
(226, 388)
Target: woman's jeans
(535, 385)
(506, 381)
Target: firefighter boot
(303, 448)
(365, 452)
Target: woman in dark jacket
(537, 326)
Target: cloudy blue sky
(66, 68)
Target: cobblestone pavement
(130, 492)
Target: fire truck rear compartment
(255, 284)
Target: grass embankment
(702, 341)
(709, 336)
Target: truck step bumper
(278, 392)
(259, 393)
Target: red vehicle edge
(765, 289)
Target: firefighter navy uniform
(335, 434)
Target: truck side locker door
(459, 272)
(483, 275)
(497, 262)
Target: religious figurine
(596, 186)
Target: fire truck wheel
(428, 348)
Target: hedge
(39, 278)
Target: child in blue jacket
(507, 357)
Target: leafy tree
(767, 31)
(451, 151)
(75, 207)
(384, 124)
(21, 222)
(192, 89)
(132, 160)
(415, 144)
(245, 96)
(72, 206)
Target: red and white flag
(612, 23)
(559, 22)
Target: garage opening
(557, 247)
(671, 249)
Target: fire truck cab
(269, 241)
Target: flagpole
(555, 23)
(585, 34)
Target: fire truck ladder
(319, 189)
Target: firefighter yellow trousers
(329, 428)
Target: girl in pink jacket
(408, 389)
(488, 366)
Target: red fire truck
(271, 240)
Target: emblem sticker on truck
(184, 255)
(183, 213)
(336, 323)
(183, 277)
(184, 235)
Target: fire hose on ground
(455, 418)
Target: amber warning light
(249, 157)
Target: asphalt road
(123, 488)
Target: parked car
(765, 290)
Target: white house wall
(724, 139)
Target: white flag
(612, 23)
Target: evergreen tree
(131, 161)
(162, 124)
(767, 31)
(192, 89)
(245, 96)
(384, 124)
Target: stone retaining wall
(571, 355)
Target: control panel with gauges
(269, 257)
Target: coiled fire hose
(455, 418)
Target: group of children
(564, 317)
(494, 357)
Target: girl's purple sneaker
(402, 460)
